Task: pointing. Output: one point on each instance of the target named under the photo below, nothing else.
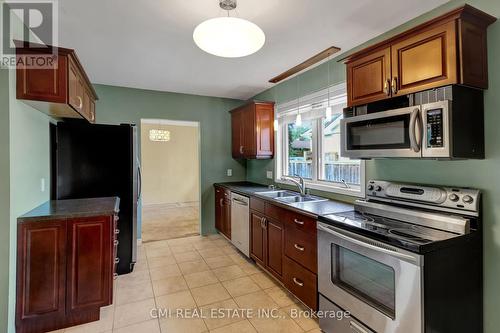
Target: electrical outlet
(269, 174)
(42, 184)
(229, 172)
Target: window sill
(358, 192)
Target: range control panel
(434, 128)
(450, 197)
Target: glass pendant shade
(298, 120)
(229, 37)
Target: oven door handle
(399, 255)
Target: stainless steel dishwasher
(240, 223)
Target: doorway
(170, 159)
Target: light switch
(42, 184)
(269, 174)
(229, 172)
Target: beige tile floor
(202, 275)
(168, 221)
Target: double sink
(289, 197)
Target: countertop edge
(236, 187)
(58, 217)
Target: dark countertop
(61, 209)
(313, 209)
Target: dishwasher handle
(240, 202)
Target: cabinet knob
(386, 87)
(241, 149)
(117, 231)
(80, 102)
(115, 276)
(117, 260)
(116, 242)
(298, 282)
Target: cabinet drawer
(301, 247)
(302, 222)
(301, 282)
(257, 204)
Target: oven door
(394, 133)
(378, 284)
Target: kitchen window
(309, 145)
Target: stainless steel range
(407, 259)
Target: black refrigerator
(89, 161)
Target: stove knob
(378, 188)
(467, 199)
(370, 187)
(453, 197)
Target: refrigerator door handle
(139, 182)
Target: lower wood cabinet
(274, 246)
(257, 237)
(284, 243)
(64, 272)
(301, 282)
(223, 211)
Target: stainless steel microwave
(439, 130)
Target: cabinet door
(257, 249)
(41, 272)
(274, 243)
(264, 119)
(219, 204)
(43, 84)
(237, 134)
(75, 88)
(368, 78)
(90, 263)
(249, 131)
(424, 61)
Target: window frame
(281, 149)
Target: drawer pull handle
(298, 247)
(117, 260)
(298, 282)
(299, 222)
(116, 242)
(117, 231)
(115, 276)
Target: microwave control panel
(434, 128)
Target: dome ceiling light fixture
(229, 37)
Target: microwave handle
(415, 130)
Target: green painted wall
(125, 105)
(4, 196)
(483, 174)
(29, 163)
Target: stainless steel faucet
(301, 184)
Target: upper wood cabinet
(450, 49)
(369, 77)
(252, 130)
(62, 90)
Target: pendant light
(229, 37)
(275, 124)
(328, 108)
(298, 119)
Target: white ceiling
(148, 43)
